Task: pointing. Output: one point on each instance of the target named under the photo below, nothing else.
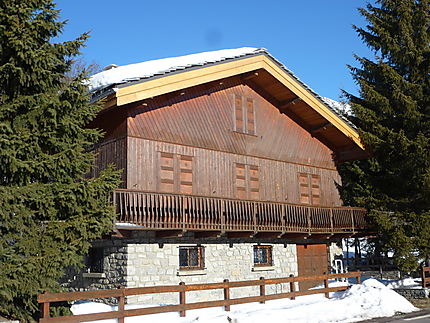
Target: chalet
(229, 172)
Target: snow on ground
(367, 300)
(413, 283)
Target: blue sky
(313, 38)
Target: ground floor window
(191, 258)
(263, 256)
(95, 262)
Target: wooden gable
(267, 77)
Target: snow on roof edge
(103, 81)
(147, 69)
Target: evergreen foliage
(392, 113)
(49, 212)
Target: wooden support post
(121, 305)
(182, 299)
(262, 290)
(44, 309)
(358, 279)
(327, 295)
(226, 295)
(292, 289)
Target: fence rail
(157, 211)
(47, 298)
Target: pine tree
(49, 210)
(392, 113)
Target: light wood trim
(175, 82)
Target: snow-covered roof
(102, 83)
(144, 70)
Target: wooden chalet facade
(231, 149)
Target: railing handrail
(244, 200)
(47, 298)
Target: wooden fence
(47, 298)
(160, 211)
(425, 279)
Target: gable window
(95, 262)
(176, 173)
(247, 181)
(309, 189)
(263, 256)
(191, 258)
(244, 115)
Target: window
(247, 181)
(263, 256)
(95, 262)
(309, 189)
(191, 258)
(176, 173)
(244, 115)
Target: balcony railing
(161, 211)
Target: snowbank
(407, 283)
(368, 300)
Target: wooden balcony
(181, 213)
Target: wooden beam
(208, 234)
(321, 127)
(286, 104)
(268, 235)
(289, 235)
(250, 76)
(244, 234)
(321, 236)
(169, 234)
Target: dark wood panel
(112, 152)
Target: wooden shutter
(315, 189)
(254, 185)
(186, 174)
(250, 113)
(167, 181)
(304, 188)
(240, 172)
(238, 108)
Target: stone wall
(413, 293)
(150, 263)
(114, 270)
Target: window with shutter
(309, 189)
(247, 181)
(167, 175)
(176, 173)
(315, 189)
(244, 115)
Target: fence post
(182, 299)
(292, 288)
(226, 295)
(327, 294)
(121, 305)
(358, 278)
(262, 289)
(423, 277)
(44, 309)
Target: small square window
(263, 256)
(95, 262)
(191, 258)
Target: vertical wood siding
(215, 118)
(112, 152)
(214, 173)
